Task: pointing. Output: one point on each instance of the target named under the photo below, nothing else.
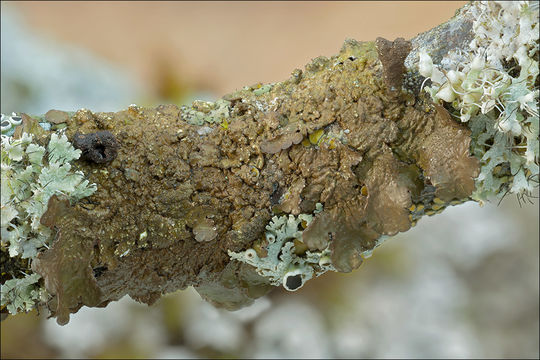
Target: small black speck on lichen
(99, 147)
(294, 282)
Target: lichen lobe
(66, 269)
(392, 55)
(451, 168)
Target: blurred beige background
(459, 285)
(221, 46)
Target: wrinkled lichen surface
(189, 184)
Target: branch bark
(181, 189)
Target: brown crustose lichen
(178, 196)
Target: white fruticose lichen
(283, 264)
(31, 175)
(494, 88)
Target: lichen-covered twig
(272, 184)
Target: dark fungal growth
(99, 147)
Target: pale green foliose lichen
(8, 123)
(20, 295)
(263, 89)
(202, 112)
(31, 175)
(282, 263)
(494, 88)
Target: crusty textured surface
(178, 196)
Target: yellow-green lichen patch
(315, 136)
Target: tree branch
(270, 185)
